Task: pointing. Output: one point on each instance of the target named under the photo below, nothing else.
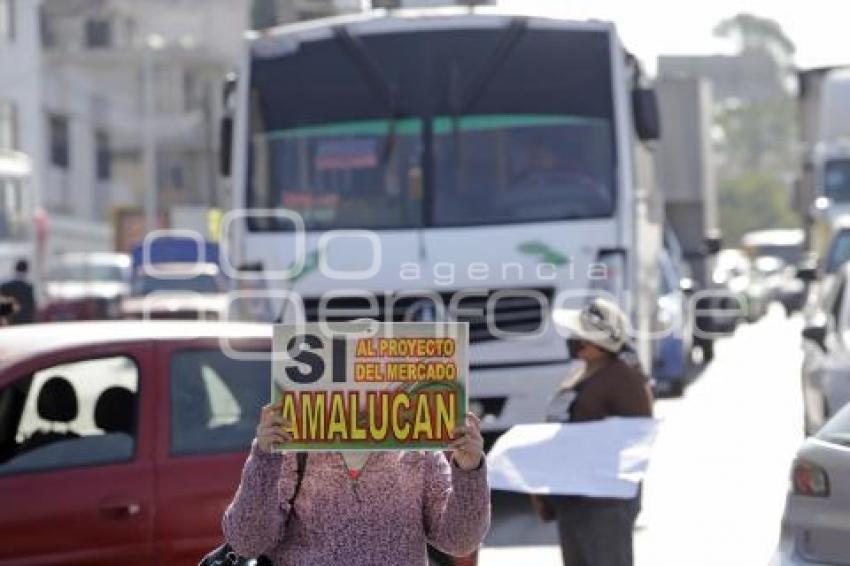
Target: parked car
(826, 352)
(784, 244)
(85, 286)
(122, 443)
(816, 522)
(194, 291)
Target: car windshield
(200, 283)
(839, 251)
(837, 180)
(434, 133)
(86, 272)
(789, 254)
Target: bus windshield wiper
(381, 87)
(484, 74)
(462, 100)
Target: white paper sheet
(605, 458)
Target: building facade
(73, 81)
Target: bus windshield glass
(433, 133)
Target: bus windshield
(535, 144)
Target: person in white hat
(603, 383)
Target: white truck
(823, 188)
(465, 164)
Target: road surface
(716, 486)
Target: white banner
(606, 458)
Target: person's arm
(456, 495)
(633, 396)
(253, 522)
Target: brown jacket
(613, 390)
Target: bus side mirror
(647, 117)
(225, 145)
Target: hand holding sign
(468, 445)
(270, 431)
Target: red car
(122, 442)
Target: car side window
(215, 401)
(839, 251)
(80, 413)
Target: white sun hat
(600, 322)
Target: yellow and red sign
(371, 386)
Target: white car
(816, 522)
(826, 351)
(84, 286)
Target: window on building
(60, 152)
(46, 29)
(171, 175)
(98, 33)
(8, 125)
(7, 20)
(190, 90)
(103, 156)
(80, 413)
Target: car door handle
(120, 508)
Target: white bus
(16, 211)
(465, 164)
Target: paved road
(716, 486)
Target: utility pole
(151, 200)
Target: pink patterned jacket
(400, 501)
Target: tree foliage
(753, 33)
(754, 200)
(756, 147)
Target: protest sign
(606, 458)
(371, 386)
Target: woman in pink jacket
(357, 509)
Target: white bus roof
(14, 164)
(410, 19)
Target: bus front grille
(492, 314)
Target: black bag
(224, 554)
